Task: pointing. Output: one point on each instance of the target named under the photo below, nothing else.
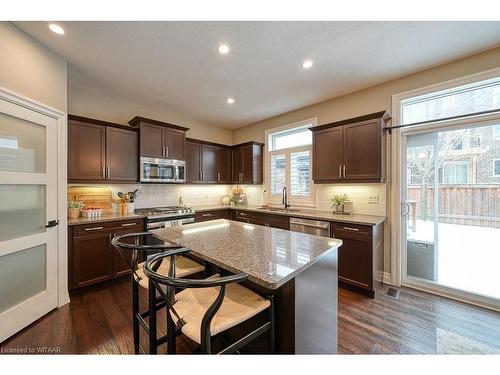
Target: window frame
(277, 198)
(494, 167)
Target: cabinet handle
(241, 214)
(109, 170)
(206, 215)
(128, 224)
(95, 228)
(166, 151)
(103, 171)
(218, 176)
(199, 176)
(344, 170)
(163, 151)
(351, 229)
(340, 171)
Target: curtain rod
(390, 128)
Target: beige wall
(30, 69)
(106, 106)
(373, 99)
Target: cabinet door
(363, 151)
(224, 166)
(209, 162)
(237, 160)
(152, 141)
(174, 142)
(121, 154)
(247, 164)
(120, 266)
(91, 258)
(86, 151)
(193, 162)
(327, 154)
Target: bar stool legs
(135, 312)
(153, 344)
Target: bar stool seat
(239, 304)
(183, 267)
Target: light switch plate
(373, 199)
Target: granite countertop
(302, 213)
(270, 256)
(104, 218)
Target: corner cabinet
(160, 139)
(100, 151)
(247, 163)
(350, 150)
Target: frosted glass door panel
(22, 145)
(22, 275)
(22, 210)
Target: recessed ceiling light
(307, 64)
(230, 100)
(224, 49)
(56, 28)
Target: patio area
(468, 257)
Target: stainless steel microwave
(162, 170)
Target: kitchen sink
(279, 209)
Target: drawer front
(94, 228)
(353, 231)
(211, 215)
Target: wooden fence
(461, 204)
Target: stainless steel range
(164, 217)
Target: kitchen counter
(104, 218)
(299, 270)
(302, 213)
(270, 256)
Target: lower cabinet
(360, 258)
(212, 215)
(268, 220)
(92, 258)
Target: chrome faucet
(285, 198)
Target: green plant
(338, 199)
(76, 204)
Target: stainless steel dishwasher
(316, 227)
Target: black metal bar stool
(229, 304)
(134, 243)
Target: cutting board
(92, 196)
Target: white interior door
(28, 201)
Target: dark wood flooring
(97, 321)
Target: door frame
(62, 228)
(398, 232)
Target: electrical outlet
(373, 199)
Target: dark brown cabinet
(247, 160)
(92, 258)
(360, 258)
(207, 162)
(350, 150)
(99, 151)
(160, 139)
(212, 215)
(265, 219)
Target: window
(496, 167)
(474, 141)
(496, 132)
(455, 172)
(462, 100)
(289, 163)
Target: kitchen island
(300, 270)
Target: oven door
(157, 170)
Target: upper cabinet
(350, 150)
(207, 162)
(160, 139)
(100, 151)
(247, 160)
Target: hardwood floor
(97, 321)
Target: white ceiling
(177, 63)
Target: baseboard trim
(386, 279)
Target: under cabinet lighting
(230, 100)
(56, 28)
(223, 49)
(307, 64)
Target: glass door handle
(405, 204)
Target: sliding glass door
(451, 199)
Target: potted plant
(337, 202)
(74, 208)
